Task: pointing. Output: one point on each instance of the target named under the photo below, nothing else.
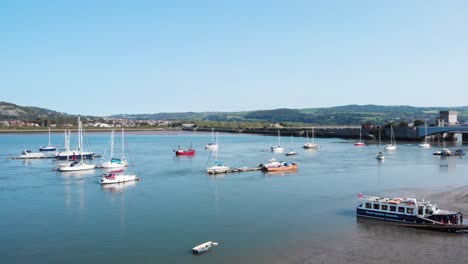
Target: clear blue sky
(110, 57)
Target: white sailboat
(213, 145)
(308, 145)
(113, 162)
(78, 164)
(380, 155)
(291, 152)
(218, 167)
(278, 148)
(72, 154)
(392, 145)
(360, 143)
(424, 144)
(48, 147)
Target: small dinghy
(203, 247)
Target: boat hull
(404, 218)
(185, 152)
(291, 166)
(118, 179)
(74, 155)
(202, 247)
(78, 167)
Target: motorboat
(274, 165)
(218, 167)
(291, 153)
(203, 247)
(28, 154)
(117, 177)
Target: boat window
(384, 207)
(368, 205)
(401, 209)
(420, 210)
(409, 210)
(393, 208)
(377, 206)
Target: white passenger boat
(406, 210)
(203, 247)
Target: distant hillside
(9, 111)
(339, 115)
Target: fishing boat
(79, 164)
(117, 177)
(278, 148)
(184, 152)
(203, 247)
(213, 145)
(424, 144)
(114, 162)
(392, 145)
(28, 154)
(274, 165)
(308, 145)
(48, 147)
(360, 143)
(407, 210)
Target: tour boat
(274, 165)
(184, 152)
(406, 210)
(28, 154)
(117, 177)
(114, 163)
(360, 143)
(48, 147)
(203, 247)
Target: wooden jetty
(241, 169)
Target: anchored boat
(274, 165)
(410, 212)
(117, 177)
(203, 247)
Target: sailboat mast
(123, 156)
(313, 135)
(49, 136)
(112, 145)
(279, 139)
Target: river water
(306, 216)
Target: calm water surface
(53, 217)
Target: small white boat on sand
(203, 247)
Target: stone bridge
(444, 129)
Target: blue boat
(406, 210)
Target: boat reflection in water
(117, 187)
